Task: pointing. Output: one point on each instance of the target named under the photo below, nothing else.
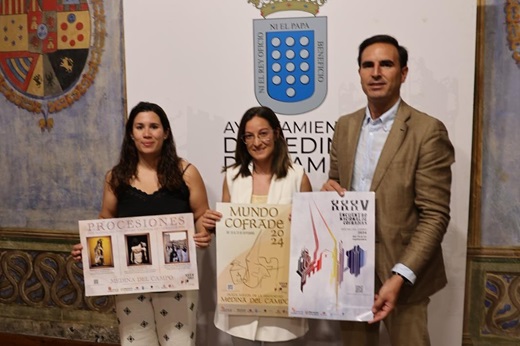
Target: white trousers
(157, 319)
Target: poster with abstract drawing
(332, 260)
(252, 259)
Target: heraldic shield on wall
(290, 57)
(62, 94)
(49, 52)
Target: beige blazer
(412, 183)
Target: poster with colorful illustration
(252, 259)
(139, 254)
(332, 262)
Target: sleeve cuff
(405, 272)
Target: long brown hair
(169, 170)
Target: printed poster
(139, 254)
(332, 260)
(253, 243)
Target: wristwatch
(406, 281)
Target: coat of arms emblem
(290, 57)
(50, 51)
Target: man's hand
(332, 185)
(385, 300)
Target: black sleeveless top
(134, 202)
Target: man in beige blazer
(404, 156)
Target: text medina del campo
(255, 300)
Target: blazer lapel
(352, 136)
(393, 142)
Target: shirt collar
(386, 119)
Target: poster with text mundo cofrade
(332, 262)
(253, 259)
(139, 254)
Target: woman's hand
(76, 252)
(210, 219)
(202, 239)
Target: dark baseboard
(29, 340)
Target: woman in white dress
(262, 173)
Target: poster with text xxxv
(331, 270)
(252, 259)
(139, 254)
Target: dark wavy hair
(403, 53)
(169, 170)
(281, 160)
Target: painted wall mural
(62, 109)
(493, 285)
(501, 121)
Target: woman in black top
(151, 179)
